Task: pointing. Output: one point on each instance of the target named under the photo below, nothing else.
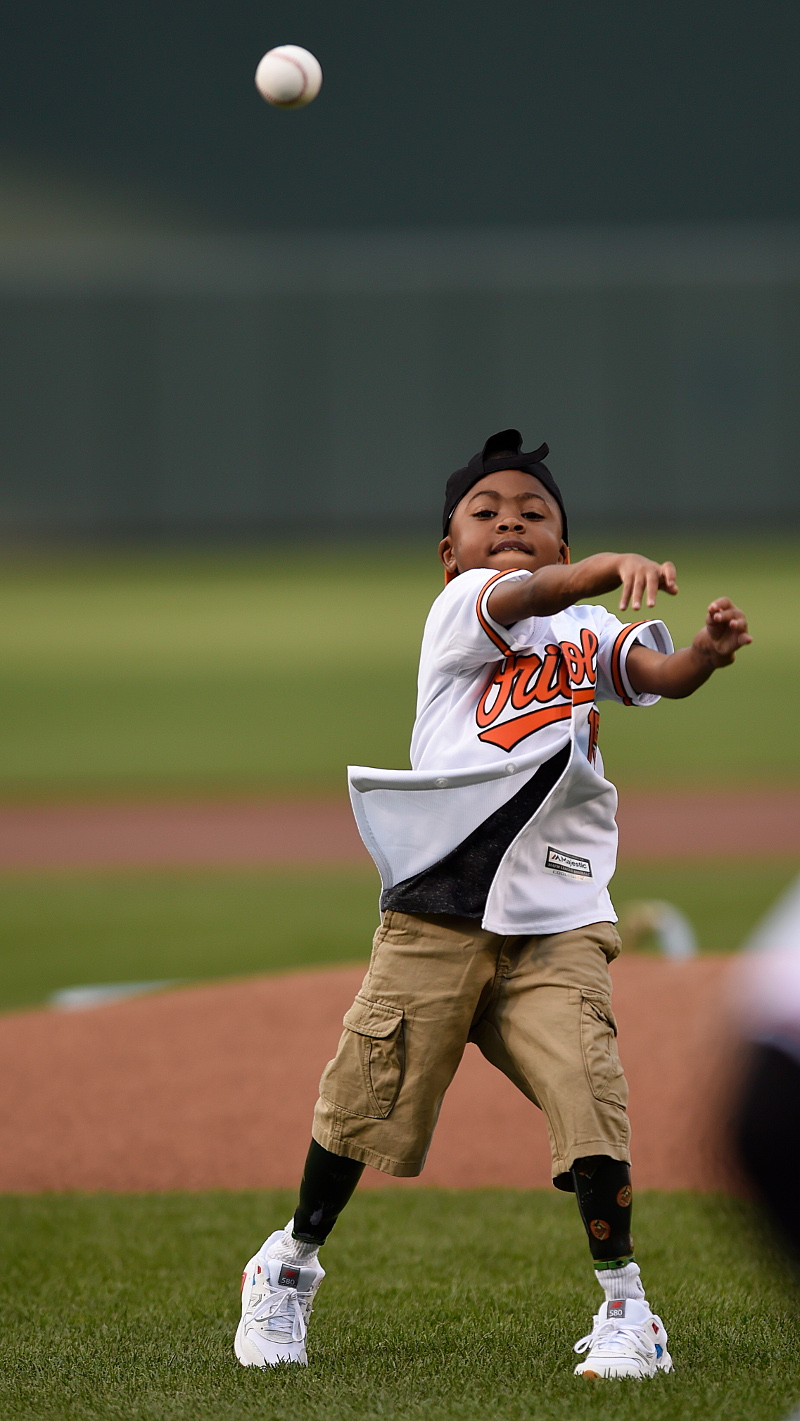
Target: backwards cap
(501, 451)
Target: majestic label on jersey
(527, 692)
(568, 865)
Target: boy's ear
(563, 553)
(448, 558)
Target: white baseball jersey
(496, 707)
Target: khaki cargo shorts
(539, 1008)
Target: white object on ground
(288, 77)
(667, 924)
(100, 994)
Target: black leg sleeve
(603, 1188)
(328, 1184)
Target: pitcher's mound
(213, 1087)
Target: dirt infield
(696, 824)
(213, 1087)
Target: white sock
(293, 1250)
(621, 1282)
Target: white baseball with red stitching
(289, 77)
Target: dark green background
(582, 219)
(457, 112)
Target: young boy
(495, 852)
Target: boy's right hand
(558, 585)
(642, 577)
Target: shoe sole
(611, 1376)
(664, 1364)
(264, 1364)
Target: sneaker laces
(612, 1336)
(282, 1306)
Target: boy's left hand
(724, 632)
(681, 673)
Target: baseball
(288, 77)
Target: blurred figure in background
(767, 1110)
(767, 1126)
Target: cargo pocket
(600, 1055)
(367, 1072)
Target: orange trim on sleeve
(487, 627)
(616, 655)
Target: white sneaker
(277, 1298)
(626, 1340)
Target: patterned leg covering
(603, 1189)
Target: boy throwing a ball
(495, 851)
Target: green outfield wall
(183, 386)
(453, 114)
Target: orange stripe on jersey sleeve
(616, 658)
(490, 631)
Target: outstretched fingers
(668, 579)
(727, 625)
(627, 589)
(642, 580)
(638, 583)
(723, 612)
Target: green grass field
(69, 929)
(437, 1306)
(210, 673)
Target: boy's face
(506, 520)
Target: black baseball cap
(501, 451)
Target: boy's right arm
(551, 589)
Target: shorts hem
(337, 1145)
(590, 1147)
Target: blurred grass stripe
(64, 930)
(192, 673)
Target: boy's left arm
(681, 672)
